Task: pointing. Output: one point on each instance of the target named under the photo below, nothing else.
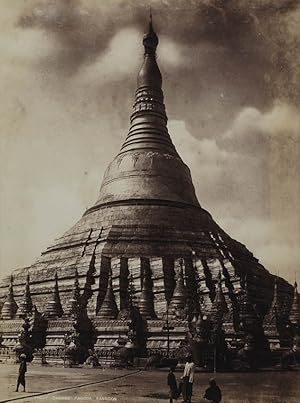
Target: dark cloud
(250, 62)
(236, 54)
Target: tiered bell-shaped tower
(10, 307)
(25, 306)
(146, 225)
(54, 308)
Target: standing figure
(174, 392)
(22, 371)
(188, 380)
(213, 392)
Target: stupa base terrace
(159, 307)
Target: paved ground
(128, 386)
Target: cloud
(252, 129)
(19, 46)
(261, 36)
(219, 57)
(117, 62)
(272, 241)
(170, 53)
(244, 191)
(282, 119)
(227, 182)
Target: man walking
(188, 380)
(22, 371)
(173, 390)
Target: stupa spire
(247, 314)
(178, 300)
(10, 306)
(219, 306)
(74, 302)
(273, 312)
(146, 301)
(148, 167)
(148, 128)
(109, 308)
(272, 322)
(150, 39)
(54, 308)
(26, 306)
(294, 316)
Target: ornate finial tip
(150, 40)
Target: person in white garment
(188, 380)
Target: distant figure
(188, 380)
(174, 392)
(22, 371)
(92, 360)
(152, 361)
(213, 392)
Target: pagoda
(148, 228)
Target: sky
(231, 73)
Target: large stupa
(145, 252)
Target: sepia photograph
(150, 201)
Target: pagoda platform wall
(163, 275)
(163, 272)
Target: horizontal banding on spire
(148, 166)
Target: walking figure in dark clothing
(213, 392)
(22, 371)
(172, 383)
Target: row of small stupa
(109, 309)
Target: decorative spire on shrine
(25, 306)
(74, 302)
(272, 322)
(10, 306)
(109, 308)
(294, 316)
(219, 306)
(178, 300)
(54, 308)
(247, 314)
(146, 301)
(272, 315)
